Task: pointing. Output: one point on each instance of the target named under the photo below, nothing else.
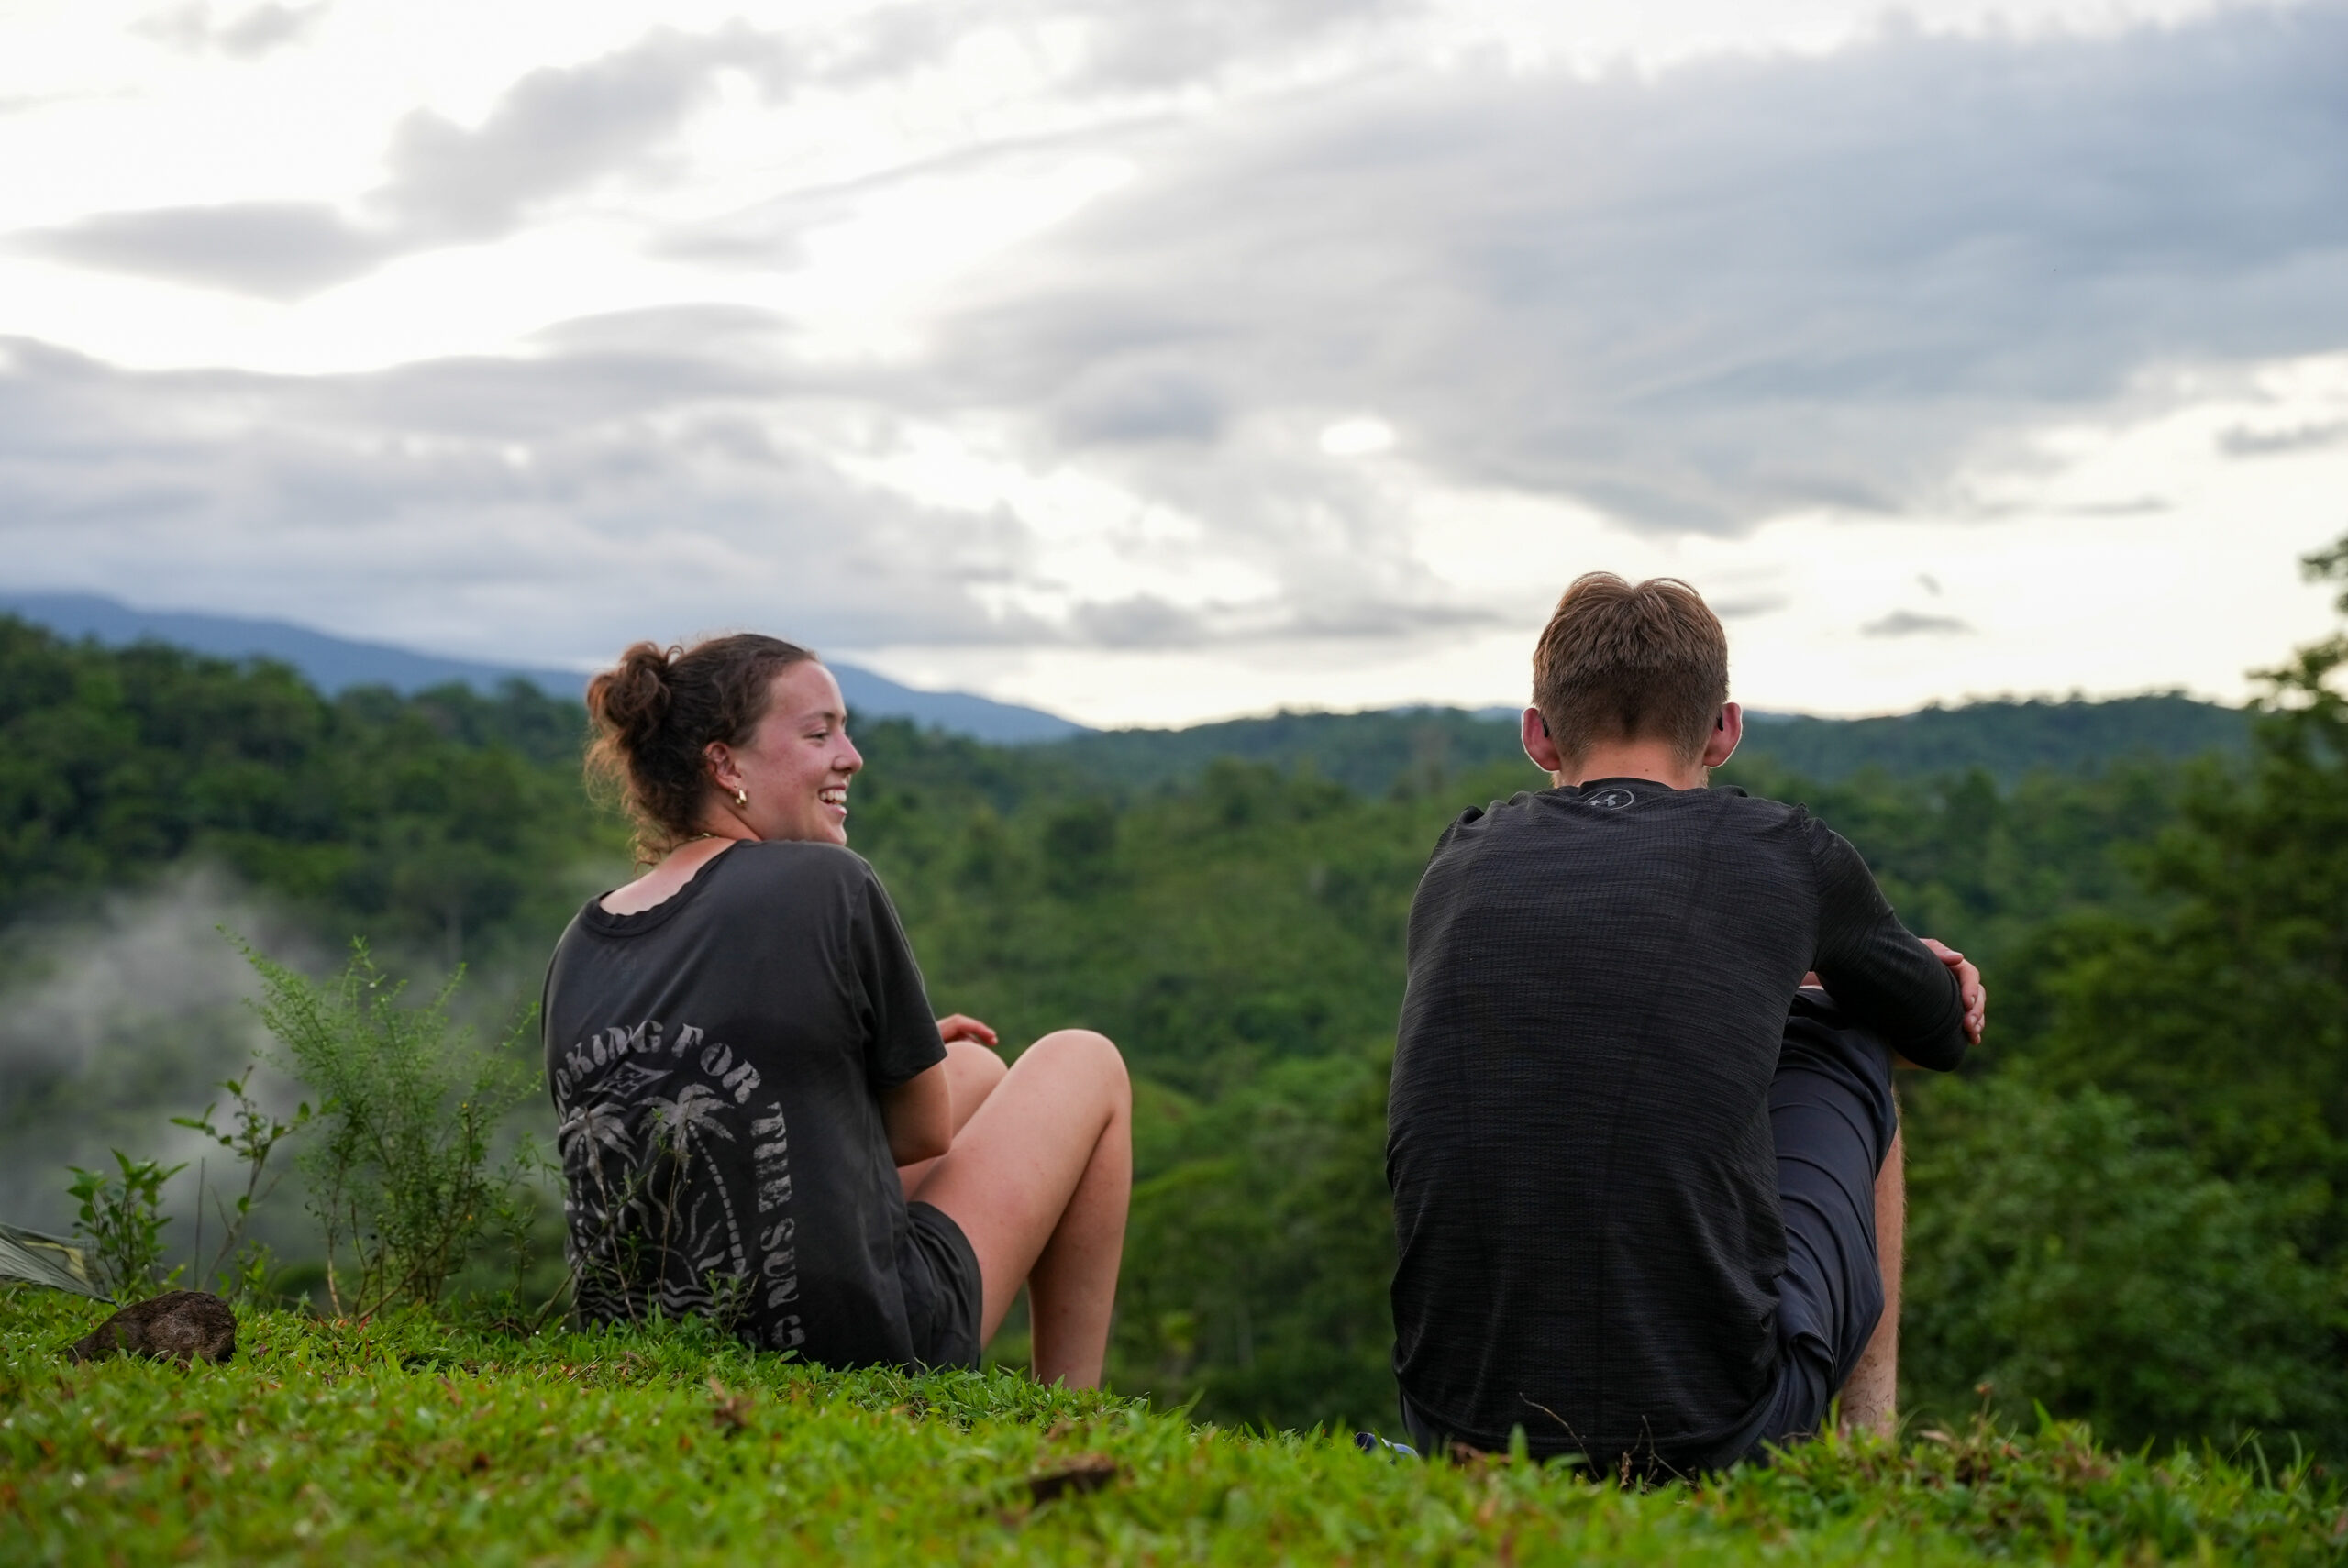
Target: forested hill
(429, 819)
(2007, 739)
(434, 818)
(1415, 747)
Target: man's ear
(1540, 746)
(1727, 730)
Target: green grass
(413, 1438)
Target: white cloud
(1359, 437)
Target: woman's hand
(955, 1026)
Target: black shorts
(1831, 1111)
(943, 1295)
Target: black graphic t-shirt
(715, 1064)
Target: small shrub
(121, 1217)
(399, 1170)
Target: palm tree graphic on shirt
(687, 1124)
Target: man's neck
(1655, 761)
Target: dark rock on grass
(179, 1325)
(1089, 1473)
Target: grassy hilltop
(414, 1440)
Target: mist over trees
(2124, 1209)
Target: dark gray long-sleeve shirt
(1579, 1142)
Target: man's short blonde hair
(1622, 661)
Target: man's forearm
(1892, 983)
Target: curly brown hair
(656, 713)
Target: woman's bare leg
(1040, 1181)
(1871, 1398)
(971, 1074)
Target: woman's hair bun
(631, 698)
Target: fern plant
(398, 1164)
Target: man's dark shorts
(1832, 1110)
(939, 1274)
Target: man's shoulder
(1476, 826)
(1756, 807)
(1493, 810)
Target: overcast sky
(1168, 359)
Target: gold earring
(741, 796)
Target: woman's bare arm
(918, 1115)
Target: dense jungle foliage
(2124, 1209)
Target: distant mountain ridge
(335, 664)
(1419, 748)
(1370, 752)
(2004, 737)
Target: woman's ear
(718, 757)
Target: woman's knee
(975, 1065)
(1083, 1056)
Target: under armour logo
(1612, 800)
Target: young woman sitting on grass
(760, 1119)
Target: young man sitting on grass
(1642, 1098)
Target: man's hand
(955, 1026)
(1969, 989)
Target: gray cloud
(1146, 620)
(649, 473)
(1371, 618)
(605, 488)
(561, 127)
(1169, 42)
(1143, 621)
(1742, 287)
(2244, 442)
(1132, 402)
(277, 249)
(551, 133)
(1909, 623)
(257, 31)
(889, 41)
(1123, 47)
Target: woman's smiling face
(796, 768)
